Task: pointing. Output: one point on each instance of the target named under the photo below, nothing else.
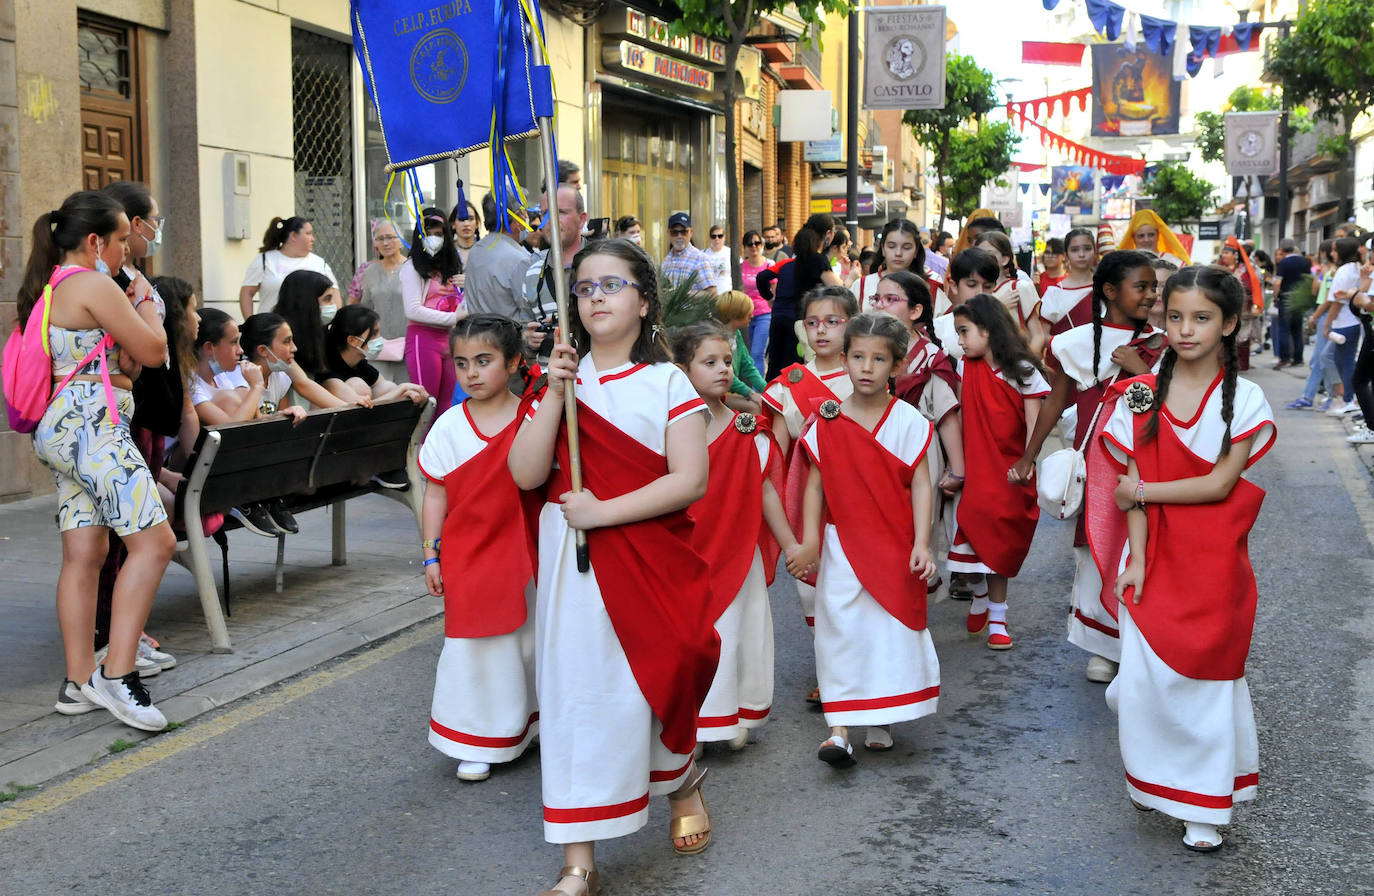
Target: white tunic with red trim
(1090, 626)
(938, 399)
(1066, 307)
(601, 756)
(1020, 299)
(1188, 744)
(484, 707)
(741, 694)
(872, 668)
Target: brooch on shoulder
(1139, 398)
(830, 409)
(746, 423)
(796, 376)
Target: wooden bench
(326, 459)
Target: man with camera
(538, 307)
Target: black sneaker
(256, 519)
(276, 509)
(396, 479)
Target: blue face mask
(276, 365)
(374, 348)
(100, 264)
(327, 313)
(214, 367)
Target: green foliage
(1179, 194)
(1303, 297)
(1327, 60)
(975, 158)
(1211, 126)
(727, 20)
(970, 94)
(120, 745)
(683, 305)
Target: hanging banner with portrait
(1252, 143)
(1073, 189)
(1134, 93)
(904, 67)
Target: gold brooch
(746, 423)
(830, 409)
(1155, 341)
(1139, 398)
(796, 376)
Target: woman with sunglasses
(753, 262)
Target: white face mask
(155, 243)
(100, 264)
(327, 313)
(276, 365)
(432, 244)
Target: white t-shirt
(268, 269)
(719, 261)
(1347, 278)
(201, 391)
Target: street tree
(1180, 196)
(1327, 61)
(970, 95)
(731, 21)
(976, 157)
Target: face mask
(327, 313)
(215, 369)
(637, 238)
(770, 244)
(374, 348)
(155, 243)
(432, 244)
(100, 264)
(276, 365)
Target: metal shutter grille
(322, 113)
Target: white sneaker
(149, 651)
(1100, 669)
(127, 698)
(143, 665)
(1363, 435)
(739, 741)
(70, 700)
(1340, 410)
(473, 771)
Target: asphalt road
(326, 784)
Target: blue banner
(449, 78)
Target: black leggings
(782, 342)
(1363, 380)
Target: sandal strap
(692, 784)
(576, 871)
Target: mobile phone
(598, 228)
(122, 279)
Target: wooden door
(107, 153)
(113, 136)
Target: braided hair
(1223, 290)
(917, 296)
(1112, 269)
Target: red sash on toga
(1079, 314)
(809, 394)
(654, 585)
(488, 557)
(1198, 612)
(998, 517)
(731, 509)
(911, 386)
(868, 498)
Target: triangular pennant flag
(1106, 17)
(1244, 32)
(1044, 189)
(1204, 40)
(1158, 34)
(1025, 189)
(1050, 4)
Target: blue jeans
(1323, 368)
(1345, 357)
(758, 339)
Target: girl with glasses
(753, 262)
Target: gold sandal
(691, 825)
(588, 877)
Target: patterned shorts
(101, 478)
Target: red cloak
(911, 386)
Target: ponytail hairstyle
(1005, 342)
(917, 294)
(177, 294)
(1222, 289)
(279, 230)
(838, 294)
(1113, 269)
(298, 304)
(902, 225)
(259, 331)
(879, 326)
(213, 323)
(1075, 234)
(687, 340)
(498, 331)
(446, 262)
(352, 320)
(650, 347)
(58, 232)
(1002, 243)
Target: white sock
(998, 612)
(979, 587)
(978, 606)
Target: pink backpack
(28, 364)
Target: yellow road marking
(169, 745)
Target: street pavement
(325, 783)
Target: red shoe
(998, 637)
(977, 623)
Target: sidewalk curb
(68, 755)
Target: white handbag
(1060, 477)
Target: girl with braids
(1068, 303)
(626, 652)
(479, 557)
(868, 500)
(899, 249)
(1002, 392)
(1085, 362)
(1186, 590)
(926, 380)
(433, 300)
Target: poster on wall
(1134, 93)
(906, 66)
(1072, 190)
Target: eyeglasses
(889, 299)
(676, 231)
(717, 236)
(830, 323)
(609, 285)
(754, 243)
(385, 238)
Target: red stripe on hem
(621, 375)
(754, 714)
(425, 472)
(1244, 781)
(1094, 624)
(473, 740)
(1202, 800)
(920, 696)
(685, 407)
(658, 777)
(717, 721)
(596, 813)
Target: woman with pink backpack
(97, 337)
